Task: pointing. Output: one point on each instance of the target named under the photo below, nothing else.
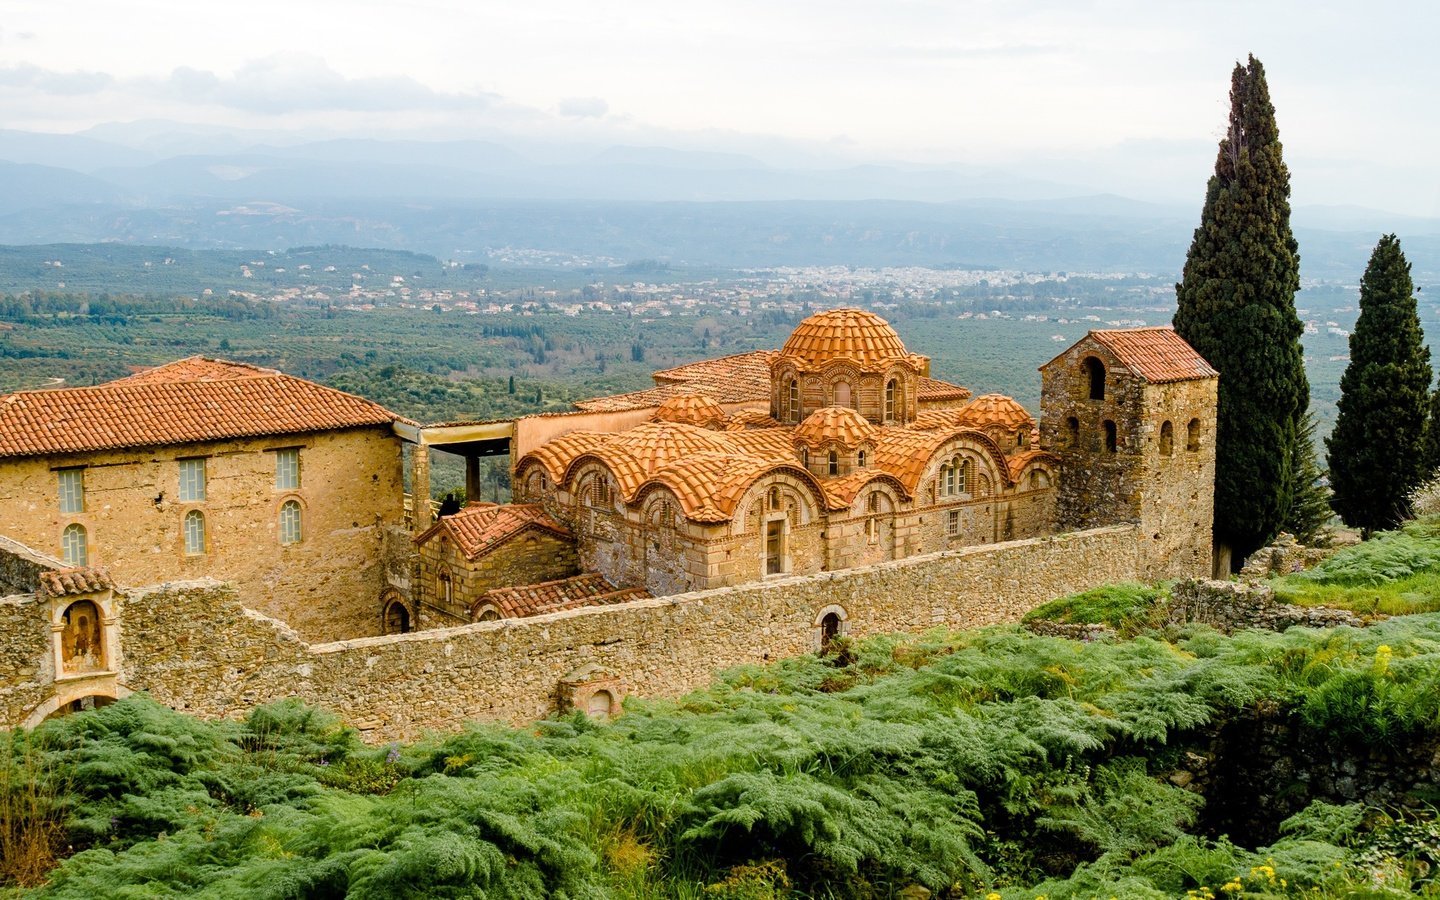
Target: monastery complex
(220, 534)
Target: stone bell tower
(1131, 414)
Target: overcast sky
(1128, 96)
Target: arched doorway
(397, 618)
(600, 705)
(81, 704)
(832, 622)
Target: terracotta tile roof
(710, 485)
(932, 390)
(1158, 355)
(656, 444)
(552, 596)
(65, 582)
(994, 409)
(1022, 458)
(195, 368)
(835, 424)
(190, 403)
(770, 443)
(756, 417)
(691, 409)
(855, 335)
(752, 368)
(904, 452)
(558, 453)
(480, 527)
(730, 379)
(936, 419)
(840, 492)
(628, 471)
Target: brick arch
(65, 694)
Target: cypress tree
(1376, 452)
(1310, 511)
(1237, 308)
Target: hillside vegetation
(974, 764)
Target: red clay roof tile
(1158, 355)
(481, 527)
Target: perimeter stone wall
(396, 686)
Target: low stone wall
(194, 647)
(20, 568)
(1233, 605)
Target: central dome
(850, 334)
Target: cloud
(583, 107)
(31, 77)
(291, 82)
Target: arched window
(890, 400)
(792, 401)
(1072, 432)
(1192, 440)
(805, 457)
(447, 588)
(832, 462)
(1022, 437)
(74, 548)
(290, 532)
(1095, 373)
(860, 458)
(842, 393)
(1110, 439)
(82, 644)
(194, 528)
(1167, 438)
(774, 498)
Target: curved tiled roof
(558, 453)
(710, 485)
(936, 419)
(628, 472)
(1018, 462)
(835, 424)
(742, 378)
(770, 443)
(933, 391)
(905, 453)
(480, 527)
(751, 417)
(841, 492)
(189, 401)
(993, 409)
(851, 334)
(655, 444)
(79, 580)
(691, 409)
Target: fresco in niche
(81, 646)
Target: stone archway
(72, 697)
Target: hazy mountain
(145, 182)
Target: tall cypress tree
(1377, 450)
(1237, 308)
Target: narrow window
(890, 400)
(192, 480)
(805, 457)
(74, 548)
(1022, 437)
(774, 498)
(194, 533)
(793, 400)
(952, 524)
(1192, 441)
(966, 479)
(72, 490)
(290, 522)
(833, 462)
(1110, 441)
(860, 458)
(1072, 432)
(287, 469)
(1167, 439)
(447, 588)
(842, 393)
(1095, 372)
(774, 547)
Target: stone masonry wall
(27, 668)
(327, 585)
(20, 568)
(394, 687)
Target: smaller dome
(655, 444)
(691, 409)
(835, 425)
(855, 335)
(994, 409)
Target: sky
(1127, 96)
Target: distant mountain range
(465, 199)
